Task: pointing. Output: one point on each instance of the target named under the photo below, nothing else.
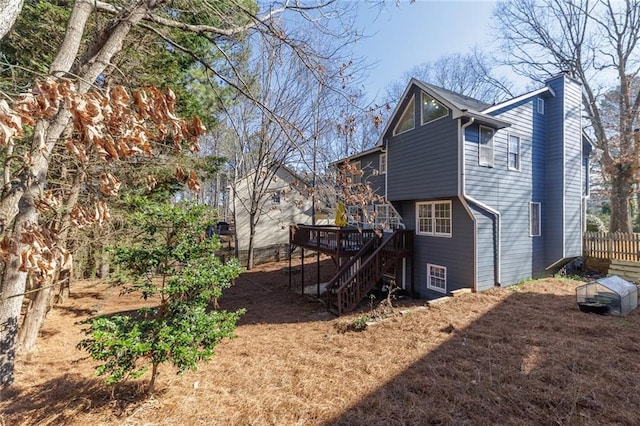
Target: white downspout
(465, 196)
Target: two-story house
(494, 194)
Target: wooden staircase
(365, 269)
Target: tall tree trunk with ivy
(584, 39)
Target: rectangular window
(534, 219)
(356, 177)
(275, 197)
(437, 278)
(514, 153)
(485, 154)
(434, 218)
(540, 105)
(383, 164)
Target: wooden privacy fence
(612, 245)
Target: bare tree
(261, 144)
(84, 59)
(595, 42)
(472, 74)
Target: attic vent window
(432, 109)
(408, 120)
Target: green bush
(595, 224)
(171, 260)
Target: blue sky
(412, 33)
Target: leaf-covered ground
(520, 355)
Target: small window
(485, 152)
(356, 177)
(275, 197)
(408, 120)
(383, 164)
(432, 109)
(534, 220)
(514, 153)
(434, 218)
(540, 105)
(437, 278)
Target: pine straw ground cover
(520, 355)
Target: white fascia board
(518, 99)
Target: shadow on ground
(59, 400)
(268, 297)
(533, 359)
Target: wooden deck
(334, 241)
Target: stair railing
(350, 290)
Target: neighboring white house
(287, 200)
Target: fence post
(610, 245)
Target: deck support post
(318, 271)
(290, 252)
(302, 270)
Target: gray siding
(553, 216)
(485, 249)
(563, 222)
(573, 191)
(510, 191)
(370, 164)
(423, 162)
(455, 253)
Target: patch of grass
(353, 324)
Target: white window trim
(435, 288)
(481, 145)
(276, 197)
(382, 171)
(539, 230)
(411, 101)
(434, 233)
(540, 106)
(422, 123)
(356, 178)
(519, 162)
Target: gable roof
(275, 166)
(357, 155)
(460, 105)
(461, 102)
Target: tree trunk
(46, 135)
(14, 283)
(621, 191)
(10, 11)
(43, 298)
(152, 381)
(252, 237)
(34, 319)
(638, 207)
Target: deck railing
(331, 239)
(612, 245)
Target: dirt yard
(521, 355)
